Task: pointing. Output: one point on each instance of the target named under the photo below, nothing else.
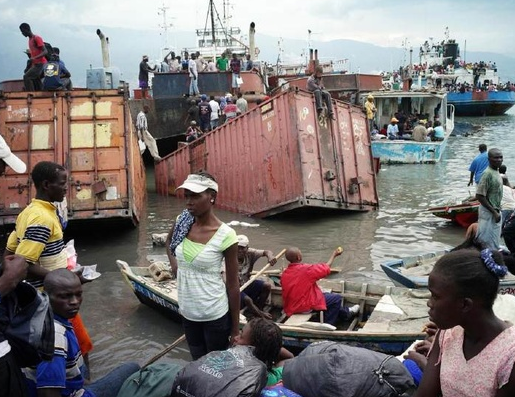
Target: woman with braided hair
(473, 352)
(267, 339)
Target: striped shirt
(141, 121)
(38, 236)
(63, 372)
(201, 290)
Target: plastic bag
(142, 146)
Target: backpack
(28, 325)
(235, 372)
(156, 380)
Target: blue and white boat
(403, 151)
(474, 88)
(481, 103)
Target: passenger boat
(427, 104)
(413, 272)
(464, 213)
(441, 65)
(168, 114)
(382, 324)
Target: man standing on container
(204, 109)
(144, 135)
(489, 194)
(192, 68)
(32, 77)
(314, 85)
(144, 70)
(478, 165)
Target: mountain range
(80, 50)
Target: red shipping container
(281, 156)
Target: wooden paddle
(182, 338)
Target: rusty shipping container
(280, 156)
(88, 132)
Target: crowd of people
(213, 266)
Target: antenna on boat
(165, 25)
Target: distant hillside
(80, 49)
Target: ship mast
(165, 26)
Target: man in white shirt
(192, 67)
(215, 112)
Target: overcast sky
(486, 25)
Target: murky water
(123, 329)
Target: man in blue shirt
(56, 76)
(478, 165)
(63, 376)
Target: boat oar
(182, 338)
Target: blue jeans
(194, 86)
(111, 384)
(214, 124)
(207, 336)
(323, 96)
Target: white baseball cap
(243, 241)
(198, 183)
(10, 159)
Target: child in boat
(473, 353)
(267, 339)
(301, 293)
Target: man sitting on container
(314, 85)
(56, 76)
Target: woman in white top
(196, 246)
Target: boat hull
(483, 103)
(393, 271)
(408, 152)
(463, 214)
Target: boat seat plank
(297, 319)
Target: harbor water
(125, 330)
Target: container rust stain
(282, 156)
(90, 134)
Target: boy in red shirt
(302, 294)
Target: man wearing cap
(255, 295)
(371, 110)
(7, 158)
(420, 132)
(204, 109)
(144, 70)
(231, 110)
(392, 132)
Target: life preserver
(256, 51)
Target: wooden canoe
(464, 214)
(381, 325)
(413, 272)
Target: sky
(485, 25)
